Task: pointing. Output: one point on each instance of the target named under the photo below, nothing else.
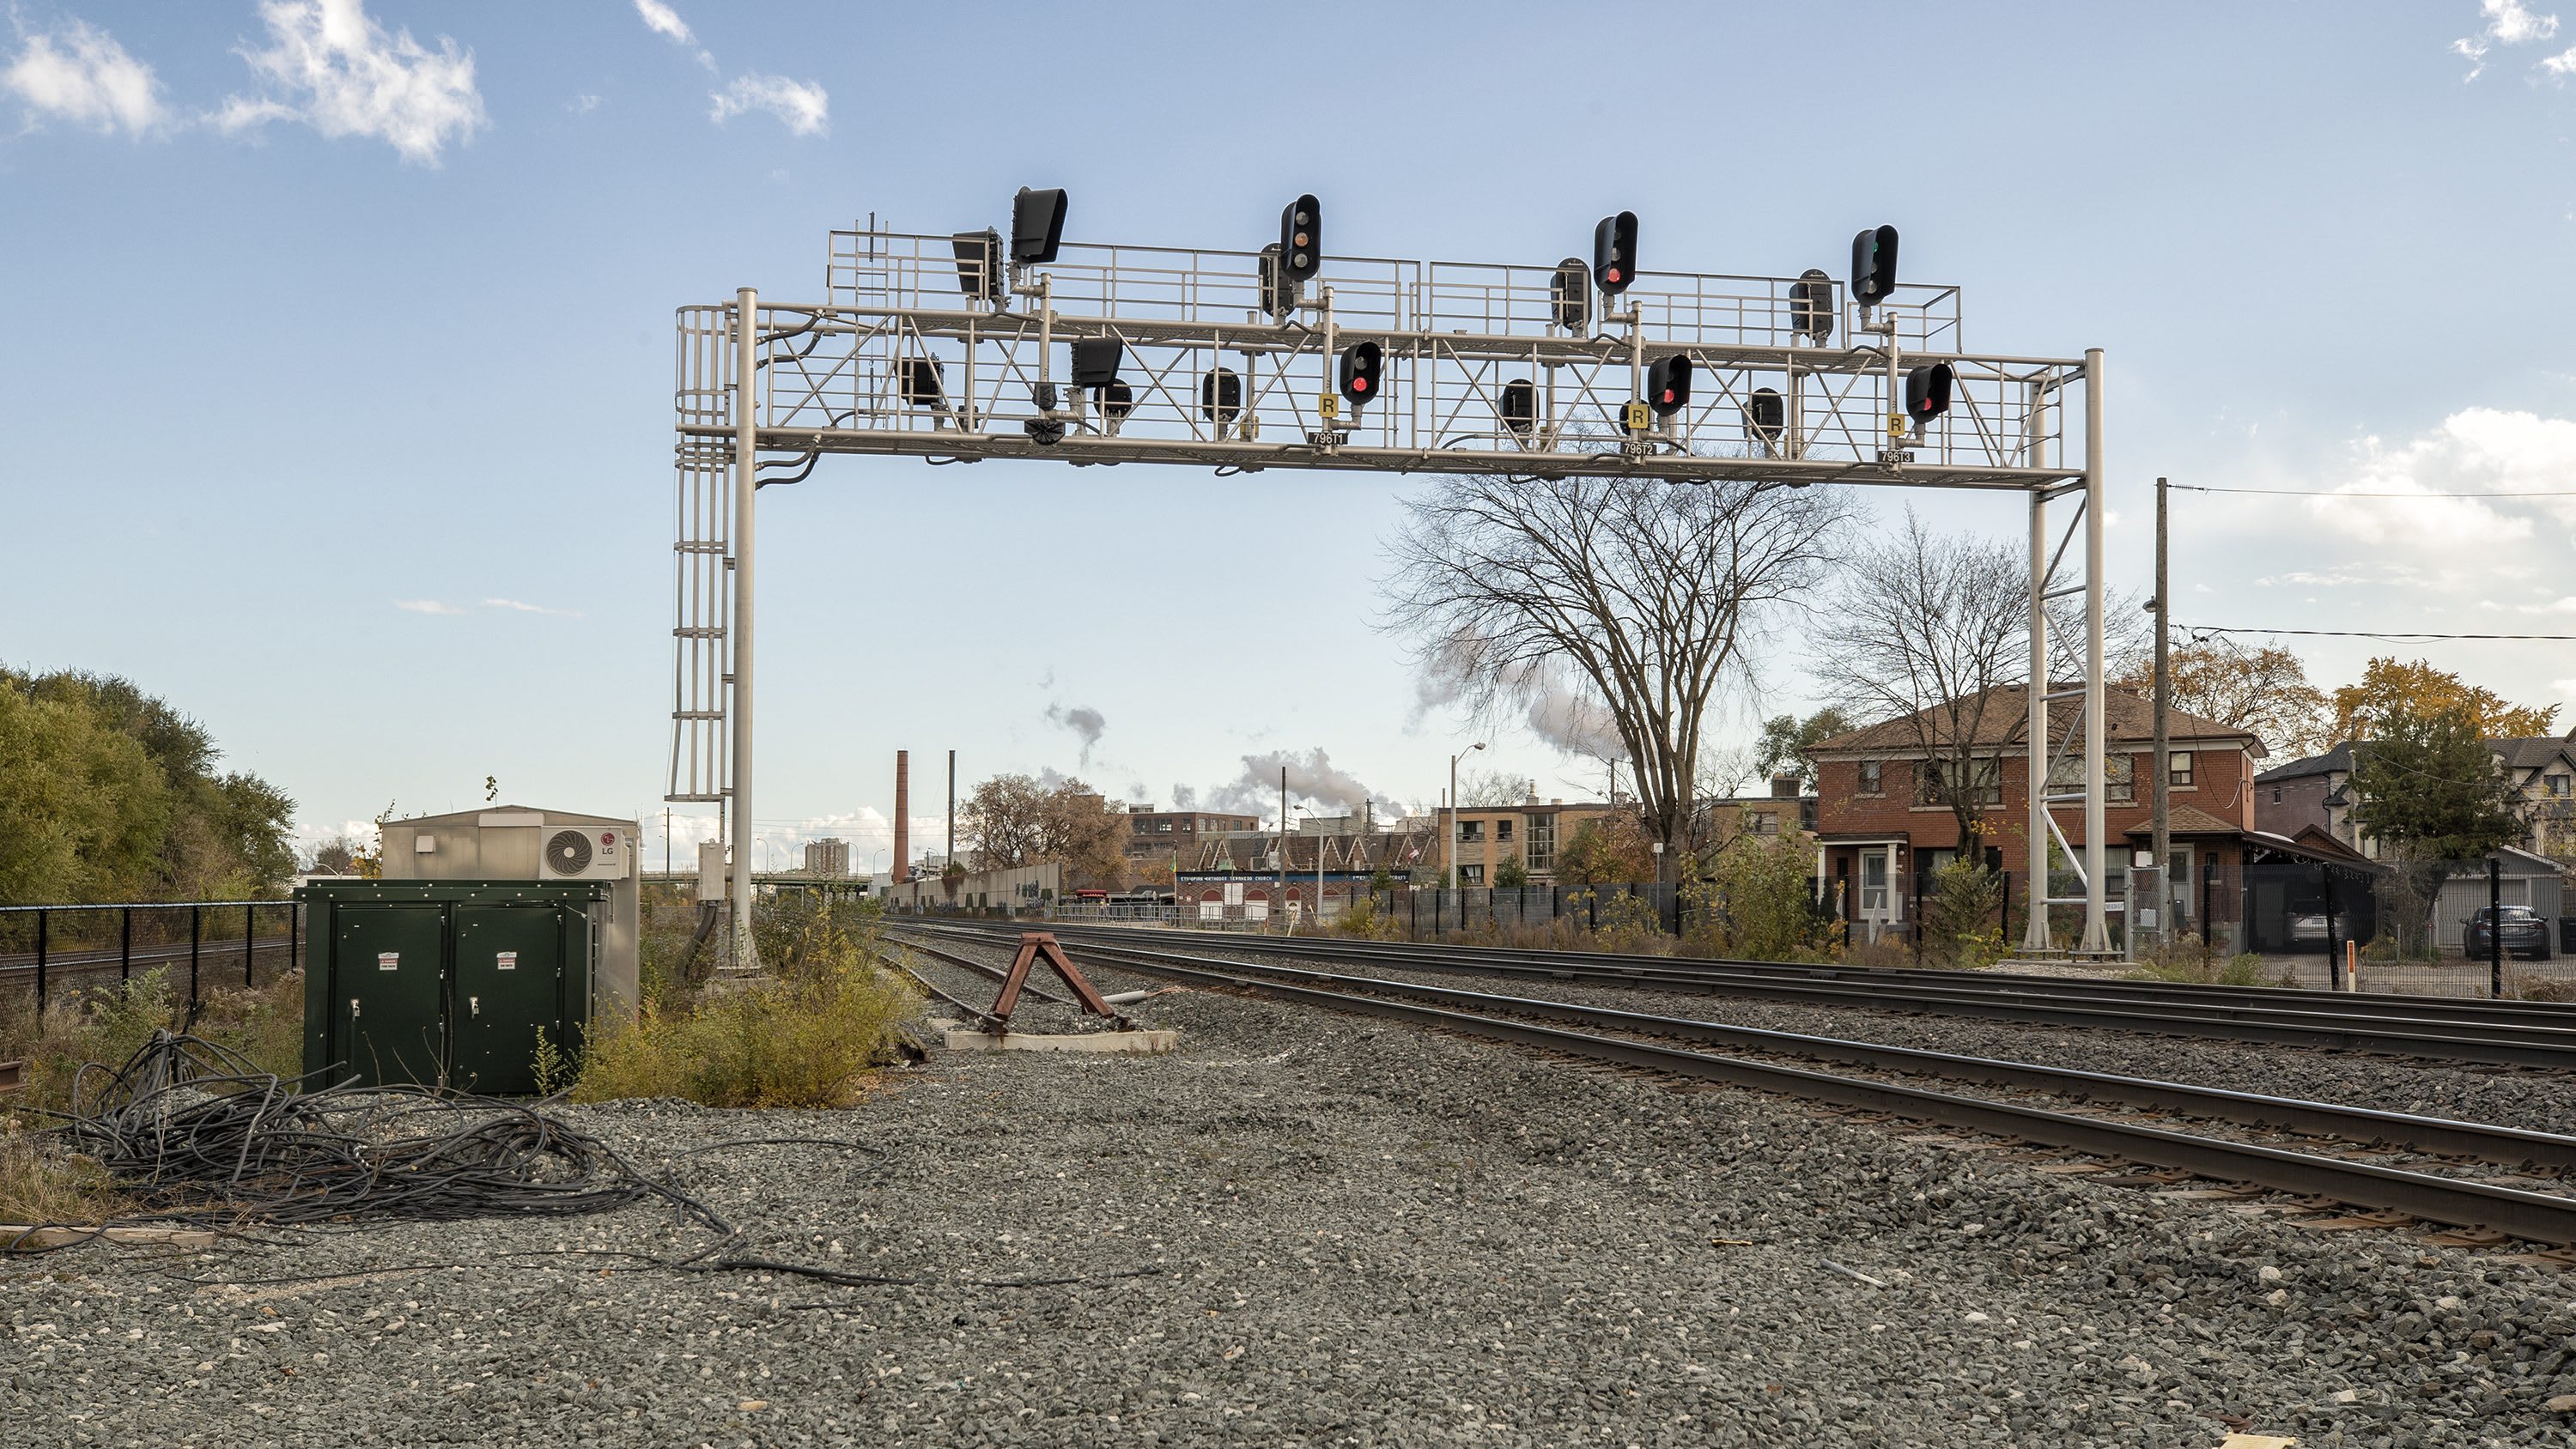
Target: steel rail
(2440, 1039)
(2391, 1003)
(87, 959)
(2487, 1142)
(2515, 1212)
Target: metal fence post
(2325, 873)
(41, 927)
(294, 919)
(250, 934)
(196, 936)
(2495, 927)
(125, 943)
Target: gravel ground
(1363, 1234)
(2538, 1100)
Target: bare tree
(1013, 820)
(1931, 630)
(1644, 593)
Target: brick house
(2316, 793)
(1882, 825)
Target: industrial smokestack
(902, 816)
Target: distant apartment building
(827, 857)
(1533, 830)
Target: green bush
(1756, 902)
(1963, 916)
(804, 1037)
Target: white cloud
(2561, 65)
(2509, 22)
(663, 20)
(582, 105)
(337, 71)
(524, 608)
(78, 73)
(2475, 450)
(801, 106)
(426, 606)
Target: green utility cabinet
(446, 982)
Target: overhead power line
(2339, 493)
(2200, 630)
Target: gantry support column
(746, 453)
(2034, 936)
(2097, 847)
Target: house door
(1873, 885)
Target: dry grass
(109, 1024)
(807, 1038)
(40, 1184)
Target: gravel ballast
(1357, 1233)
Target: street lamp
(1453, 812)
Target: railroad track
(2150, 1129)
(2448, 1029)
(86, 960)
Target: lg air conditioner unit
(584, 852)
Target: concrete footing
(966, 1039)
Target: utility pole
(2161, 843)
(949, 850)
(1283, 847)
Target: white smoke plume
(1084, 721)
(1311, 778)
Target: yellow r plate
(1637, 421)
(1328, 407)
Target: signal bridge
(957, 348)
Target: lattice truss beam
(914, 353)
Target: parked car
(2311, 928)
(2524, 933)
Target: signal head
(1766, 415)
(1363, 372)
(1037, 225)
(1614, 253)
(1519, 405)
(917, 378)
(1873, 273)
(1668, 384)
(1811, 306)
(1927, 393)
(1095, 361)
(1301, 239)
(979, 263)
(1220, 395)
(1570, 295)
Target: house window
(2178, 773)
(1984, 784)
(1761, 822)
(1872, 781)
(1542, 842)
(1471, 875)
(1502, 830)
(2119, 773)
(2276, 794)
(2556, 787)
(1470, 830)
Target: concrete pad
(1090, 1041)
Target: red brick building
(1883, 824)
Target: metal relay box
(448, 982)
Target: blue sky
(339, 366)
